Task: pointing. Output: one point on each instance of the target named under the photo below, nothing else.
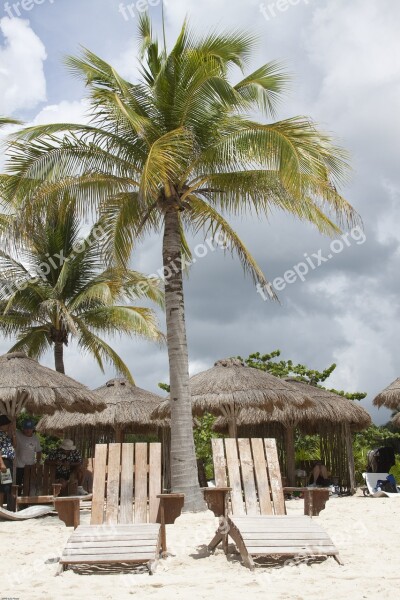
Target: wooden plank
(154, 480)
(118, 527)
(261, 474)
(141, 467)
(249, 484)
(39, 480)
(99, 484)
(219, 461)
(292, 550)
(289, 535)
(113, 479)
(93, 550)
(46, 484)
(113, 543)
(83, 559)
(285, 542)
(33, 491)
(274, 474)
(235, 483)
(126, 505)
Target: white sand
(365, 530)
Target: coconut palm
(57, 289)
(175, 152)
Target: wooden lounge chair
(129, 513)
(249, 500)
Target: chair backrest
(251, 468)
(38, 480)
(126, 481)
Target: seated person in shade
(319, 475)
(68, 461)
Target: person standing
(7, 455)
(28, 450)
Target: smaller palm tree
(53, 287)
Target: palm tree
(174, 152)
(57, 289)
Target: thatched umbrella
(230, 386)
(128, 408)
(329, 409)
(390, 396)
(24, 383)
(396, 420)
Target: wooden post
(350, 456)
(119, 435)
(290, 454)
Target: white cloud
(22, 80)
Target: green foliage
(306, 447)
(373, 437)
(165, 387)
(286, 368)
(203, 433)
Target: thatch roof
(396, 420)
(231, 383)
(329, 408)
(127, 407)
(390, 396)
(24, 383)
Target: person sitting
(7, 455)
(28, 450)
(69, 467)
(319, 475)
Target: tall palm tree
(176, 151)
(57, 289)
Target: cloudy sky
(344, 60)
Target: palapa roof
(329, 408)
(396, 420)
(126, 406)
(390, 396)
(24, 383)
(231, 383)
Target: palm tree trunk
(59, 357)
(183, 457)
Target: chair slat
(235, 483)
(219, 462)
(113, 477)
(261, 474)
(141, 483)
(126, 506)
(99, 484)
(274, 473)
(249, 485)
(154, 480)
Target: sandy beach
(365, 530)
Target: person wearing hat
(28, 450)
(7, 455)
(68, 461)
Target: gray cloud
(344, 57)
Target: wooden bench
(38, 486)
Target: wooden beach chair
(129, 512)
(249, 500)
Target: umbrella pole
(119, 435)
(350, 457)
(290, 454)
